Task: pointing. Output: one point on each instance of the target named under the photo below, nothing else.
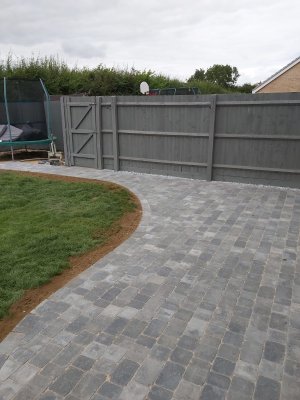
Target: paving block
(170, 376)
(110, 391)
(223, 366)
(210, 392)
(148, 372)
(134, 391)
(67, 381)
(267, 389)
(124, 372)
(274, 352)
(181, 356)
(160, 393)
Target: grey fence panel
(161, 118)
(168, 153)
(107, 133)
(282, 153)
(65, 131)
(257, 177)
(163, 169)
(81, 131)
(106, 116)
(167, 135)
(56, 124)
(167, 148)
(99, 139)
(243, 138)
(243, 118)
(107, 144)
(257, 139)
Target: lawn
(43, 222)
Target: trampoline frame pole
(49, 133)
(8, 118)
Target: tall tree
(199, 75)
(223, 75)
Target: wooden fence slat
(65, 131)
(167, 162)
(212, 120)
(260, 103)
(163, 103)
(114, 121)
(256, 137)
(160, 133)
(99, 141)
(262, 169)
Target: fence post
(99, 140)
(114, 116)
(65, 131)
(210, 154)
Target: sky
(173, 37)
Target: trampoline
(174, 91)
(24, 114)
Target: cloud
(83, 49)
(170, 36)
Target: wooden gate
(81, 131)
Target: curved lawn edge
(121, 230)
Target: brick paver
(201, 302)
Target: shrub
(98, 81)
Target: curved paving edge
(201, 302)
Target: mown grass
(43, 222)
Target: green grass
(43, 222)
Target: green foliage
(199, 75)
(101, 80)
(246, 88)
(206, 87)
(62, 79)
(223, 75)
(44, 222)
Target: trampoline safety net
(23, 112)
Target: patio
(201, 302)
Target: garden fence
(243, 138)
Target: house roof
(277, 74)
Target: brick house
(285, 80)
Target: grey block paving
(201, 302)
(124, 372)
(159, 393)
(170, 376)
(148, 371)
(110, 391)
(267, 389)
(67, 381)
